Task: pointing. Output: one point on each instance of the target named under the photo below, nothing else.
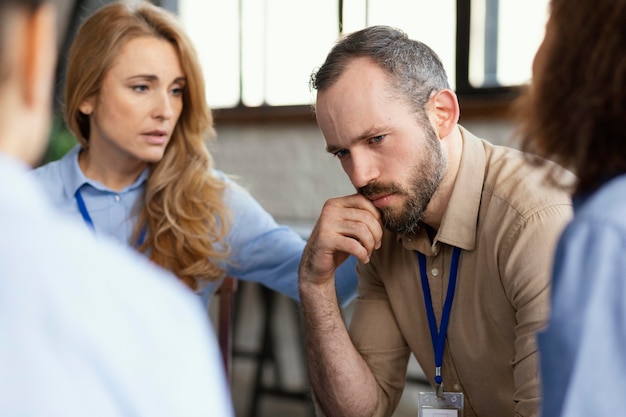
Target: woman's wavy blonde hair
(183, 215)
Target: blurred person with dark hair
(574, 113)
(88, 328)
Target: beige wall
(287, 169)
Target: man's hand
(347, 226)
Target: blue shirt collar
(74, 178)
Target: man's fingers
(355, 217)
(348, 225)
(363, 232)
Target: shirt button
(456, 387)
(117, 198)
(434, 271)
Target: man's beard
(422, 186)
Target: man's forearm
(341, 380)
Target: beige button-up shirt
(506, 219)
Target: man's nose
(363, 170)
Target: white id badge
(450, 404)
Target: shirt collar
(74, 178)
(460, 220)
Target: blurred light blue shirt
(261, 250)
(583, 350)
(89, 329)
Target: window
(262, 52)
(504, 36)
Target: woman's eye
(141, 88)
(178, 91)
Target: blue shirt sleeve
(260, 249)
(266, 252)
(583, 361)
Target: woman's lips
(156, 137)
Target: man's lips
(381, 200)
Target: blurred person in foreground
(454, 236)
(574, 112)
(87, 328)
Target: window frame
(475, 102)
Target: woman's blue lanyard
(87, 218)
(439, 338)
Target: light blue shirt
(261, 250)
(583, 350)
(90, 329)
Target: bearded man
(454, 236)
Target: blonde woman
(141, 172)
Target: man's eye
(341, 153)
(377, 139)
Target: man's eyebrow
(369, 133)
(332, 149)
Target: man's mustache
(375, 189)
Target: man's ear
(445, 111)
(40, 54)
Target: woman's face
(133, 116)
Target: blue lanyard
(87, 218)
(439, 337)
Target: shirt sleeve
(526, 262)
(268, 253)
(582, 351)
(378, 338)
